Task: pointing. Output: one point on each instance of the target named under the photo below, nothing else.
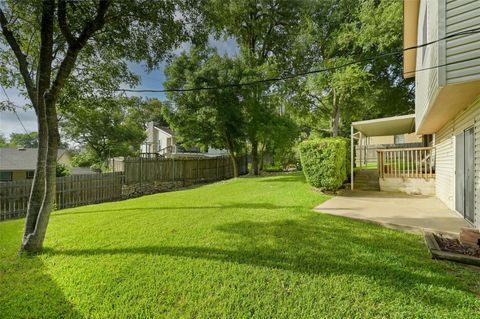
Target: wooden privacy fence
(78, 190)
(185, 170)
(75, 190)
(411, 162)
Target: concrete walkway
(401, 211)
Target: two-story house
(446, 67)
(161, 140)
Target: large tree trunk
(254, 157)
(39, 186)
(37, 193)
(335, 115)
(231, 151)
(262, 157)
(34, 241)
(236, 171)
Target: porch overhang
(403, 124)
(395, 125)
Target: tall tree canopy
(338, 32)
(265, 31)
(28, 140)
(212, 118)
(51, 44)
(106, 127)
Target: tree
(51, 42)
(27, 140)
(341, 32)
(264, 30)
(207, 117)
(3, 141)
(107, 126)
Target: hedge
(325, 162)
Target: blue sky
(153, 80)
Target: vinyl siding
(477, 169)
(427, 82)
(462, 53)
(445, 156)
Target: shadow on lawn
(27, 291)
(283, 178)
(322, 246)
(161, 209)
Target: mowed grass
(244, 248)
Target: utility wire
(295, 75)
(14, 111)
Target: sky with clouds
(9, 123)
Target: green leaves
(107, 126)
(325, 162)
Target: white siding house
(161, 140)
(447, 98)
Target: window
(6, 176)
(399, 139)
(30, 174)
(159, 145)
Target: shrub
(325, 162)
(62, 170)
(273, 168)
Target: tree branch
(74, 48)
(21, 58)
(62, 22)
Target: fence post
(173, 171)
(141, 171)
(198, 168)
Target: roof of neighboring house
(15, 159)
(166, 129)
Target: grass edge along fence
(140, 177)
(325, 162)
(72, 191)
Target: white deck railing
(409, 162)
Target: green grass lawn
(243, 248)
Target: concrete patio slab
(401, 211)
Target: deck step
(367, 180)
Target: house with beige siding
(442, 55)
(20, 163)
(447, 100)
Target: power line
(295, 75)
(14, 111)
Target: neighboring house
(399, 139)
(20, 163)
(161, 141)
(366, 150)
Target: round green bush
(325, 162)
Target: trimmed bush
(325, 162)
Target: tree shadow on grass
(27, 291)
(297, 178)
(162, 209)
(322, 246)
